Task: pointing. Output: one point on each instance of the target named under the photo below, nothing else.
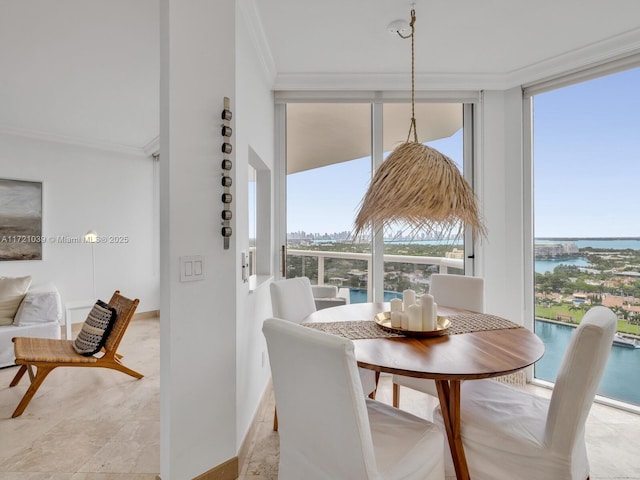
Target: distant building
(561, 249)
(455, 253)
(627, 274)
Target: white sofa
(39, 315)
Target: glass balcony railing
(353, 270)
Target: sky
(587, 158)
(326, 200)
(586, 167)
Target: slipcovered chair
(508, 433)
(457, 291)
(328, 429)
(292, 300)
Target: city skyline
(586, 162)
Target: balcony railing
(443, 263)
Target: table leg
(449, 396)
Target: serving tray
(383, 319)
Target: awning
(321, 134)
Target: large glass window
(328, 171)
(329, 167)
(587, 234)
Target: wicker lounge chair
(46, 354)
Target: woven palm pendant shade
(418, 187)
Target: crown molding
(619, 46)
(152, 147)
(388, 81)
(259, 38)
(69, 140)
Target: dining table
(474, 346)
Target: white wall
(198, 319)
(89, 189)
(501, 255)
(255, 130)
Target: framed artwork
(20, 220)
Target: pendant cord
(413, 78)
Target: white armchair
(326, 296)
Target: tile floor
(86, 423)
(95, 424)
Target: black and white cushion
(96, 329)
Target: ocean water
(633, 244)
(615, 244)
(547, 265)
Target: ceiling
(80, 71)
(88, 71)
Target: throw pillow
(96, 329)
(12, 291)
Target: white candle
(404, 321)
(435, 315)
(396, 305)
(396, 319)
(427, 303)
(415, 317)
(408, 299)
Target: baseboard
(225, 471)
(249, 438)
(144, 315)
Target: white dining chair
(328, 429)
(457, 291)
(509, 433)
(292, 300)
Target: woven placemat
(460, 323)
(477, 322)
(353, 330)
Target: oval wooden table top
(479, 354)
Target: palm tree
(620, 313)
(635, 320)
(574, 308)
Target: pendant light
(419, 187)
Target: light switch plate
(191, 268)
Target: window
(587, 238)
(331, 150)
